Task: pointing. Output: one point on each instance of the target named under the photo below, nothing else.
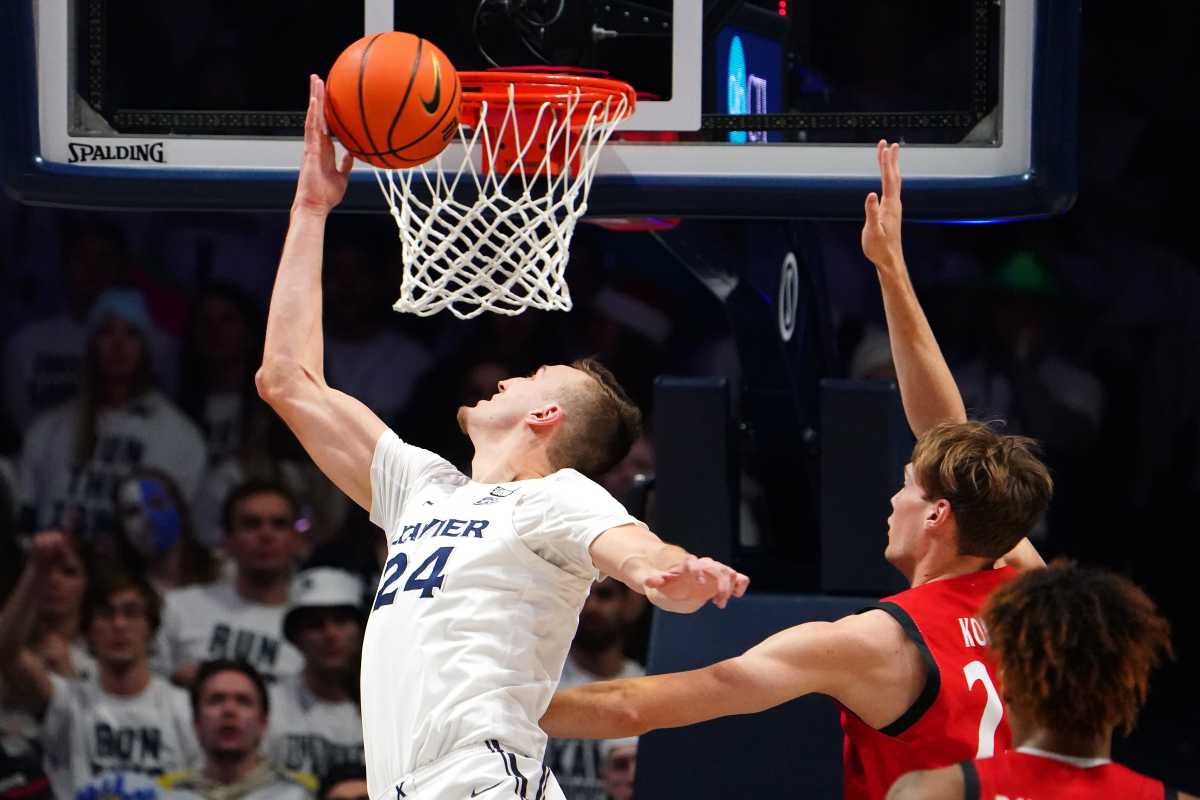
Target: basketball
(392, 99)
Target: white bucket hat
(324, 587)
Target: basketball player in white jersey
(486, 574)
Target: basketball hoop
(492, 231)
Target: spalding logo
(82, 153)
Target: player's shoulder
(875, 627)
(570, 481)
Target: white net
(478, 236)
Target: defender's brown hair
(602, 423)
(1076, 647)
(996, 485)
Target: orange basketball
(392, 99)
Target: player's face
(120, 629)
(119, 349)
(62, 593)
(329, 638)
(230, 719)
(262, 536)
(514, 399)
(910, 508)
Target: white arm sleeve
(563, 516)
(397, 471)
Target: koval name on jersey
(147, 151)
(441, 527)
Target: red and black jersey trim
(933, 678)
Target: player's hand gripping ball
(392, 99)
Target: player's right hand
(881, 231)
(323, 180)
(688, 585)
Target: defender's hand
(323, 181)
(881, 232)
(693, 582)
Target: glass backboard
(757, 108)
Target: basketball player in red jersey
(1075, 648)
(912, 672)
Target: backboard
(751, 108)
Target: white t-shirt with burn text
(147, 432)
(88, 733)
(204, 622)
(476, 607)
(309, 735)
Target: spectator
(21, 774)
(220, 353)
(1024, 376)
(153, 533)
(626, 477)
(75, 454)
(231, 710)
(241, 618)
(619, 759)
(52, 631)
(344, 782)
(270, 454)
(315, 723)
(127, 720)
(43, 361)
(597, 654)
(361, 350)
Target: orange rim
(532, 89)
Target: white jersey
(88, 732)
(309, 735)
(200, 623)
(476, 607)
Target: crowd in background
(160, 486)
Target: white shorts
(489, 771)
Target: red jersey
(959, 715)
(1027, 776)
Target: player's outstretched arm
(814, 657)
(927, 387)
(671, 578)
(338, 432)
(930, 784)
(28, 681)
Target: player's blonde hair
(996, 485)
(601, 423)
(1076, 647)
